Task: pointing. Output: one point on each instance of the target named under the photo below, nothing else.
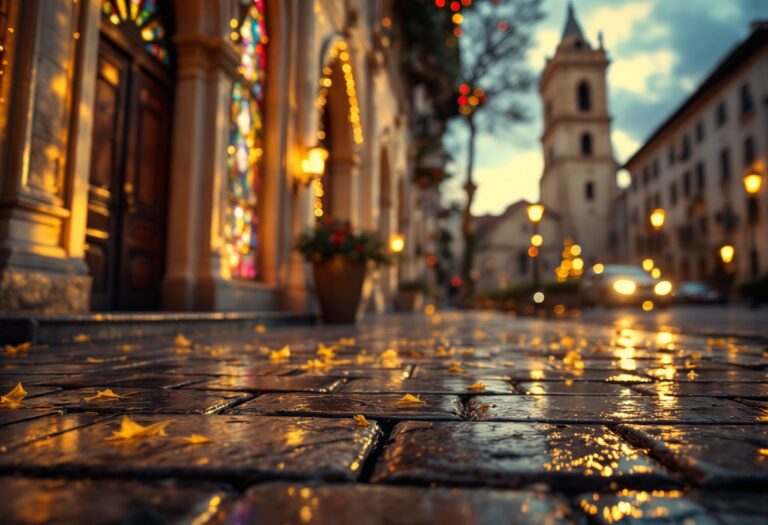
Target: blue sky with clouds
(659, 49)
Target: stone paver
(573, 422)
(239, 447)
(565, 456)
(377, 406)
(29, 501)
(376, 505)
(586, 409)
(734, 455)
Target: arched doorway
(340, 133)
(128, 183)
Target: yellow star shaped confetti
(13, 398)
(182, 342)
(456, 369)
(18, 349)
(95, 360)
(361, 421)
(129, 429)
(280, 355)
(325, 352)
(478, 387)
(409, 400)
(82, 338)
(104, 395)
(259, 328)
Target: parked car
(619, 284)
(697, 292)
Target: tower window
(589, 191)
(584, 97)
(749, 151)
(745, 96)
(586, 145)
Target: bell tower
(579, 180)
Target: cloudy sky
(659, 49)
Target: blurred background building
(693, 168)
(165, 154)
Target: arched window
(145, 17)
(586, 145)
(583, 96)
(245, 150)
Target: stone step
(57, 329)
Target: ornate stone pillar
(45, 153)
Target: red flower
(338, 237)
(360, 248)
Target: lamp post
(753, 181)
(657, 218)
(535, 213)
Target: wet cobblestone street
(450, 418)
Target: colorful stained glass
(144, 17)
(241, 225)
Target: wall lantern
(397, 243)
(726, 253)
(314, 165)
(535, 212)
(657, 218)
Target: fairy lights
(339, 56)
(469, 99)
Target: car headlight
(663, 288)
(624, 286)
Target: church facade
(579, 179)
(152, 152)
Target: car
(697, 292)
(623, 284)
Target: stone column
(346, 188)
(45, 155)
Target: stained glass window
(144, 16)
(241, 225)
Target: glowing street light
(753, 181)
(648, 264)
(726, 253)
(314, 164)
(537, 240)
(397, 243)
(657, 218)
(535, 212)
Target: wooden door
(125, 236)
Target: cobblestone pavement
(452, 418)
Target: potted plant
(340, 258)
(410, 295)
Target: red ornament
(338, 237)
(464, 89)
(462, 100)
(440, 3)
(455, 6)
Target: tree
(495, 36)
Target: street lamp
(753, 181)
(397, 243)
(535, 213)
(726, 253)
(657, 218)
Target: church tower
(579, 180)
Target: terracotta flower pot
(339, 285)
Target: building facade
(692, 168)
(151, 152)
(579, 179)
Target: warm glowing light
(538, 297)
(657, 218)
(753, 181)
(648, 264)
(647, 306)
(314, 164)
(537, 240)
(726, 253)
(533, 252)
(577, 264)
(575, 250)
(663, 288)
(656, 273)
(625, 286)
(397, 243)
(430, 309)
(535, 212)
(598, 268)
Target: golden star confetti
(129, 429)
(456, 369)
(325, 352)
(364, 359)
(196, 439)
(280, 355)
(18, 349)
(182, 342)
(361, 421)
(95, 360)
(316, 364)
(347, 341)
(13, 398)
(390, 359)
(82, 338)
(259, 328)
(126, 348)
(477, 387)
(409, 400)
(104, 395)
